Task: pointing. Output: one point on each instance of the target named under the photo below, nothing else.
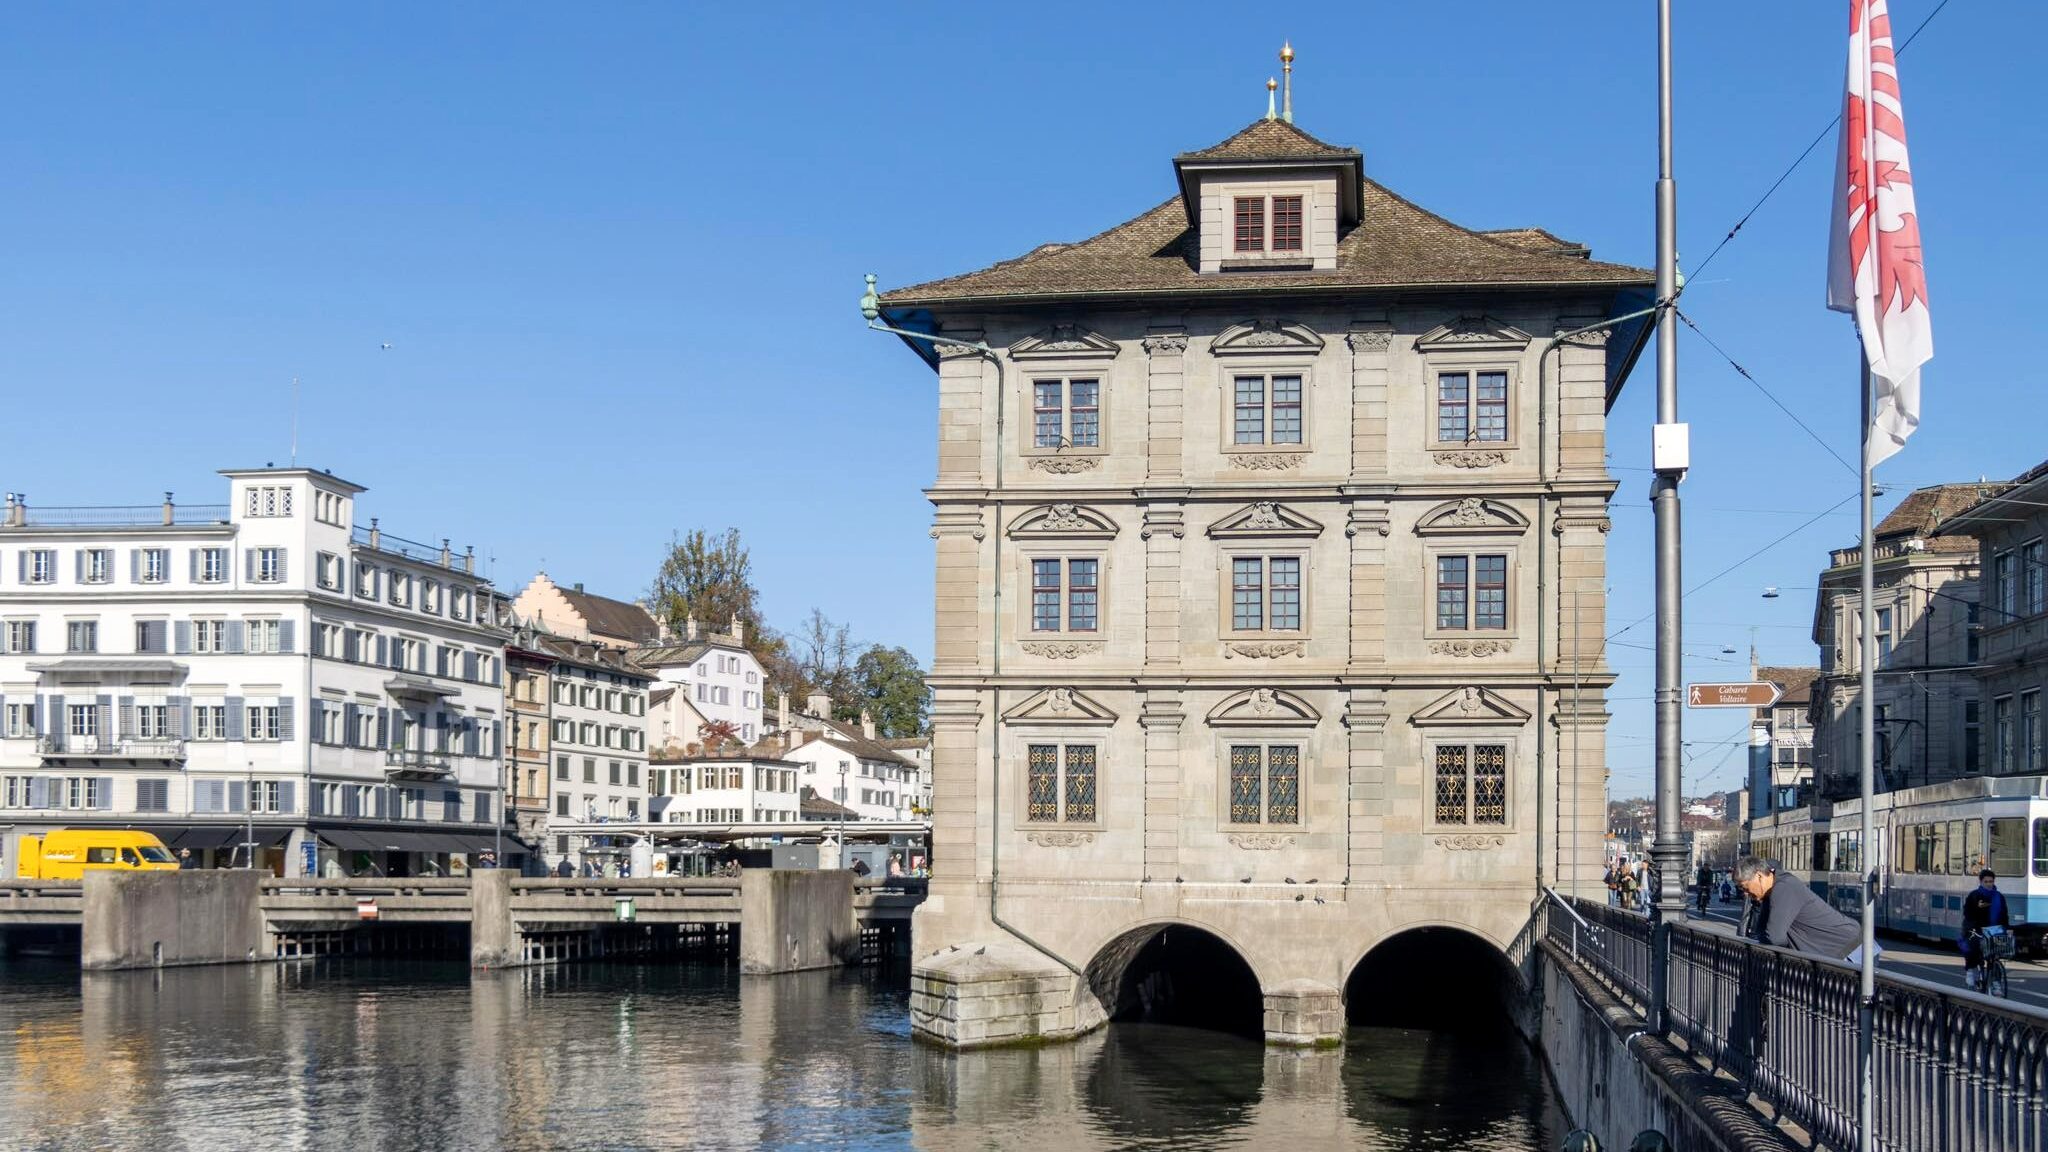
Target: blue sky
(616, 250)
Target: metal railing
(117, 748)
(115, 515)
(1955, 1071)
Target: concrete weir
(791, 920)
(160, 919)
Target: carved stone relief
(1264, 649)
(1066, 465)
(1261, 841)
(1166, 345)
(1061, 649)
(1060, 839)
(1471, 459)
(1264, 461)
(1479, 648)
(1470, 843)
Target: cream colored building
(1258, 534)
(2011, 529)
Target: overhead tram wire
(1744, 373)
(1702, 585)
(1801, 158)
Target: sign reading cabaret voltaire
(1755, 694)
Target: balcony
(417, 764)
(18, 514)
(116, 748)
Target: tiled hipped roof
(1395, 244)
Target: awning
(217, 836)
(168, 669)
(420, 686)
(376, 840)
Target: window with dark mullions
(1059, 784)
(1472, 407)
(1286, 223)
(1265, 594)
(1249, 213)
(1079, 595)
(1472, 593)
(1260, 403)
(1066, 413)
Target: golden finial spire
(1270, 85)
(1287, 70)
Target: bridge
(127, 920)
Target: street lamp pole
(249, 810)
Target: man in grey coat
(1793, 917)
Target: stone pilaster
(1580, 526)
(1367, 528)
(959, 851)
(957, 591)
(1581, 419)
(1304, 1014)
(1161, 717)
(1162, 529)
(1581, 734)
(1369, 344)
(1164, 373)
(1365, 725)
(961, 423)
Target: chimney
(447, 556)
(170, 511)
(690, 628)
(469, 559)
(867, 724)
(376, 536)
(782, 711)
(820, 706)
(579, 586)
(739, 630)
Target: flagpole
(1866, 999)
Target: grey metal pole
(1866, 722)
(1669, 462)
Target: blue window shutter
(55, 723)
(287, 633)
(39, 792)
(497, 738)
(106, 719)
(21, 559)
(288, 796)
(383, 802)
(351, 802)
(234, 717)
(483, 808)
(181, 632)
(314, 803)
(282, 557)
(469, 666)
(127, 705)
(78, 564)
(285, 708)
(234, 631)
(106, 796)
(382, 659)
(451, 805)
(238, 796)
(348, 724)
(192, 563)
(181, 715)
(135, 565)
(249, 565)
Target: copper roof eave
(1225, 287)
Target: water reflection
(347, 1055)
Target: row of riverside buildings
(269, 679)
(1961, 631)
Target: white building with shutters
(194, 671)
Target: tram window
(1973, 846)
(1937, 855)
(2041, 847)
(1902, 849)
(2008, 846)
(1958, 863)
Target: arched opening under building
(1177, 974)
(1440, 979)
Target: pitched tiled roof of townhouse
(846, 736)
(1796, 682)
(608, 617)
(1923, 510)
(1396, 244)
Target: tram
(1931, 843)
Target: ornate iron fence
(1954, 1071)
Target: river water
(344, 1054)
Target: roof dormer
(1271, 198)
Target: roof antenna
(1287, 70)
(295, 421)
(1270, 85)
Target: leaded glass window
(1059, 783)
(1066, 413)
(1472, 592)
(1265, 594)
(1265, 784)
(1042, 796)
(1472, 784)
(1260, 404)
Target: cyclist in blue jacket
(1983, 908)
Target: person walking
(1704, 882)
(1984, 908)
(1793, 917)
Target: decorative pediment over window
(1264, 708)
(1065, 342)
(1468, 333)
(1062, 707)
(1264, 520)
(1472, 516)
(1266, 336)
(1470, 707)
(1062, 522)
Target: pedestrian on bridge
(1793, 917)
(1983, 908)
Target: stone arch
(1179, 972)
(1437, 975)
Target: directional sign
(1761, 694)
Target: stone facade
(1283, 783)
(2012, 657)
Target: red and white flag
(1874, 264)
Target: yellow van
(67, 853)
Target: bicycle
(1995, 947)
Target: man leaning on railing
(1793, 917)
